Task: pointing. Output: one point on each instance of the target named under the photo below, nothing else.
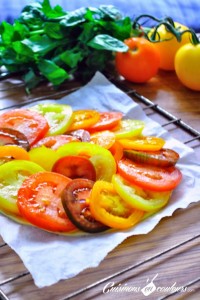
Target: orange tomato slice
(146, 143)
(14, 151)
(104, 138)
(83, 119)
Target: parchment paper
(50, 257)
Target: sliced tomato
(128, 128)
(117, 151)
(75, 167)
(84, 118)
(144, 143)
(107, 121)
(139, 198)
(32, 124)
(13, 151)
(161, 158)
(58, 116)
(150, 177)
(74, 200)
(43, 156)
(39, 201)
(109, 208)
(54, 142)
(12, 174)
(100, 157)
(81, 134)
(9, 136)
(105, 138)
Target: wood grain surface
(169, 254)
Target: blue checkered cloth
(182, 11)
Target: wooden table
(169, 255)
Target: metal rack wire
(192, 138)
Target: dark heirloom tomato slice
(9, 136)
(149, 177)
(74, 200)
(75, 167)
(162, 158)
(33, 125)
(39, 201)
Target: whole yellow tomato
(168, 48)
(187, 65)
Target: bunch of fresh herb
(49, 43)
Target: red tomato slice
(55, 141)
(75, 167)
(39, 201)
(149, 177)
(33, 125)
(108, 120)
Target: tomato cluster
(63, 170)
(168, 46)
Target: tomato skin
(187, 66)
(149, 177)
(140, 63)
(167, 49)
(9, 136)
(33, 125)
(75, 167)
(39, 201)
(74, 200)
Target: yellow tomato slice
(44, 157)
(146, 143)
(104, 138)
(108, 207)
(14, 151)
(83, 119)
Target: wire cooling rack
(174, 125)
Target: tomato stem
(169, 25)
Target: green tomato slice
(43, 156)
(12, 174)
(101, 158)
(129, 128)
(58, 116)
(136, 197)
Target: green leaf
(50, 12)
(54, 30)
(107, 42)
(41, 44)
(71, 57)
(74, 18)
(7, 32)
(52, 72)
(111, 12)
(31, 80)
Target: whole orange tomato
(140, 63)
